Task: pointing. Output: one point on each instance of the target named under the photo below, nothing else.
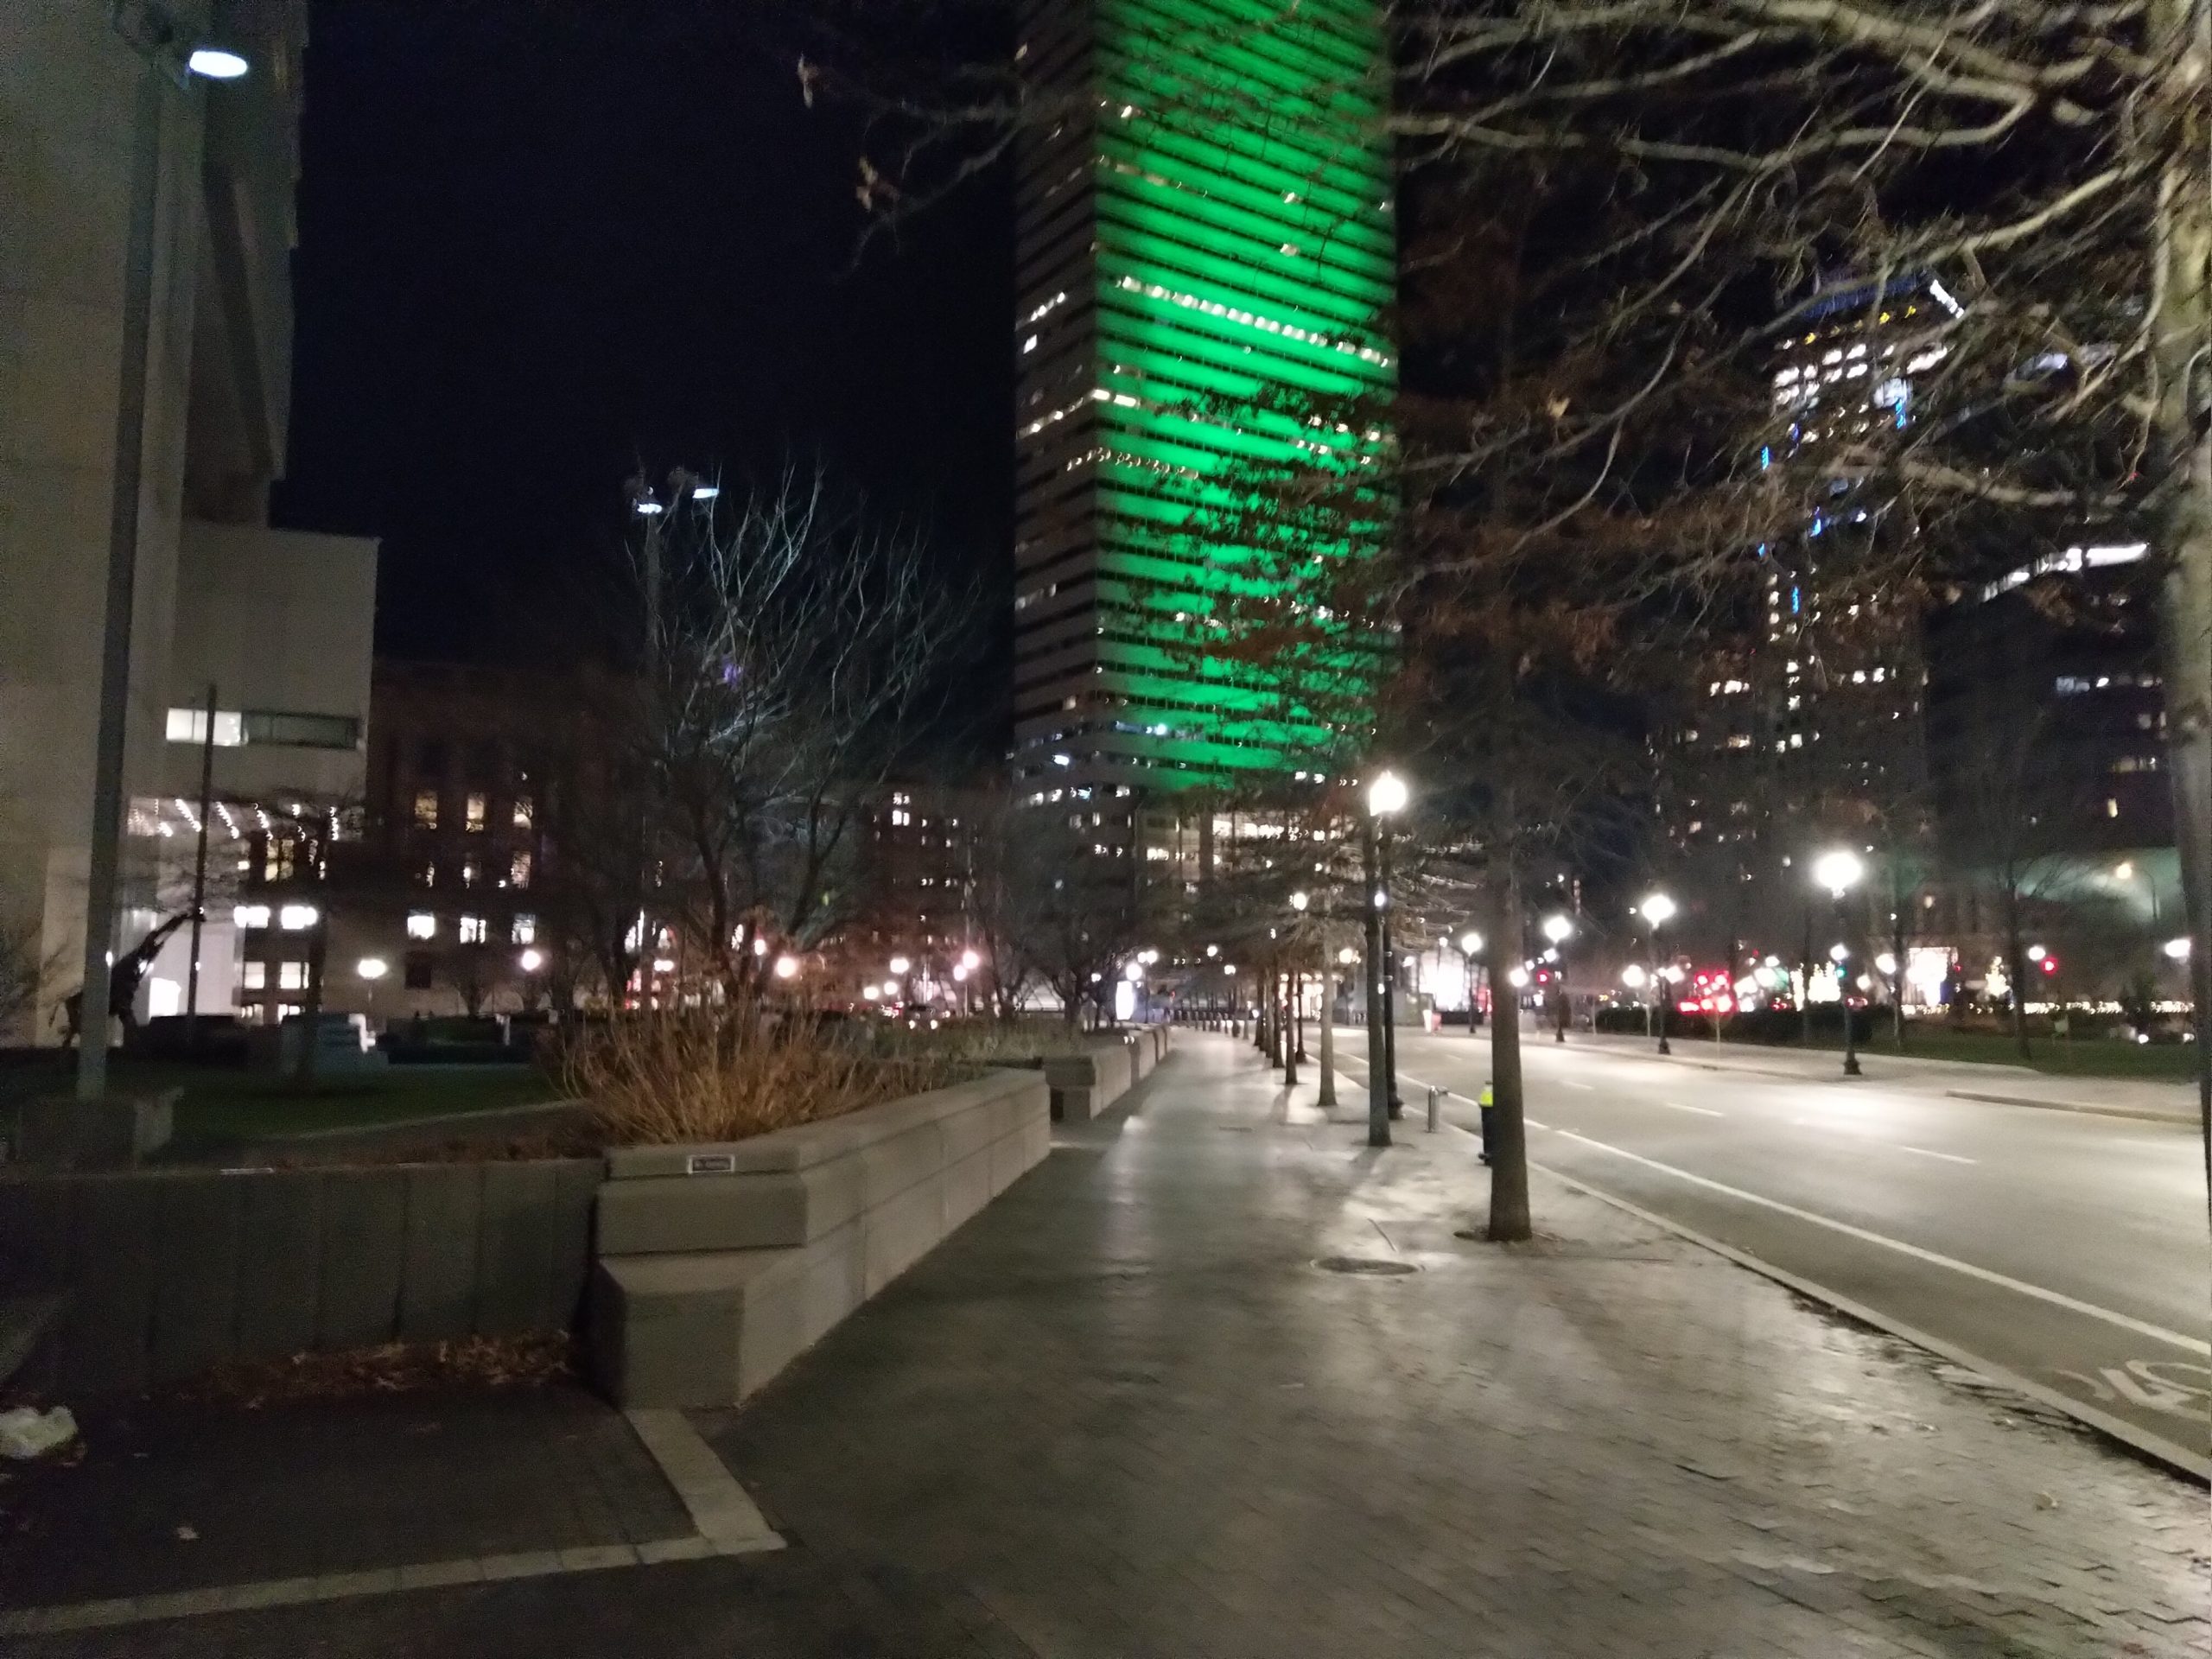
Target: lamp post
(1386, 796)
(1295, 1049)
(1633, 977)
(1559, 929)
(1839, 872)
(168, 55)
(1471, 943)
(1657, 911)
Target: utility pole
(1328, 1094)
(106, 827)
(1390, 984)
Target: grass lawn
(220, 1104)
(2085, 1057)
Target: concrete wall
(719, 1265)
(1085, 1084)
(170, 1274)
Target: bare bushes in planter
(659, 1079)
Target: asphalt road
(2065, 1250)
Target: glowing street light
(1839, 872)
(960, 973)
(1517, 978)
(1558, 929)
(2175, 950)
(1347, 957)
(1633, 977)
(786, 967)
(869, 993)
(1299, 901)
(215, 63)
(372, 968)
(970, 960)
(1657, 909)
(1471, 943)
(1387, 794)
(531, 960)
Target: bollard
(1436, 1099)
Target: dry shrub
(659, 1079)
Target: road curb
(2136, 1113)
(2168, 1453)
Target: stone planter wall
(1085, 1085)
(718, 1265)
(166, 1274)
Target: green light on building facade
(1245, 254)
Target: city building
(918, 872)
(1205, 249)
(274, 623)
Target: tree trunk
(1328, 1049)
(2181, 326)
(1509, 1147)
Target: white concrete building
(278, 620)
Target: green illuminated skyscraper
(1205, 251)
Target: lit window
(2111, 807)
(522, 813)
(291, 975)
(297, 918)
(255, 975)
(276, 861)
(422, 924)
(518, 871)
(525, 930)
(250, 916)
(430, 876)
(471, 930)
(474, 809)
(470, 869)
(426, 808)
(190, 726)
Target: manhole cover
(1380, 1267)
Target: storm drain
(1374, 1266)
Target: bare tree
(798, 647)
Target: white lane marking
(1532, 1122)
(1676, 1105)
(2058, 1298)
(1586, 1088)
(1929, 1152)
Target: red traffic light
(2051, 964)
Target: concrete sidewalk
(1137, 1408)
(2004, 1085)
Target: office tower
(1205, 253)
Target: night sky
(541, 240)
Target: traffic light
(2051, 964)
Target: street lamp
(1386, 795)
(1657, 911)
(1839, 872)
(1559, 929)
(2175, 950)
(900, 967)
(786, 967)
(168, 54)
(1294, 1049)
(1471, 945)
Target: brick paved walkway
(1123, 1412)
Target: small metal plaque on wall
(711, 1163)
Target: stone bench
(718, 1265)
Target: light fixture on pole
(1559, 929)
(1471, 945)
(1657, 911)
(1839, 872)
(1386, 796)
